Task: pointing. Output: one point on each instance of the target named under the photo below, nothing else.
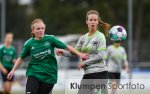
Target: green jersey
(7, 55)
(43, 64)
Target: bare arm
(61, 52)
(68, 52)
(127, 66)
(3, 69)
(17, 64)
(14, 60)
(1, 66)
(73, 50)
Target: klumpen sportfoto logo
(107, 86)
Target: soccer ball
(117, 34)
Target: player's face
(39, 30)
(92, 21)
(8, 39)
(117, 44)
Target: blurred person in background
(116, 58)
(42, 69)
(94, 44)
(7, 60)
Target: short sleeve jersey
(43, 64)
(6, 56)
(116, 58)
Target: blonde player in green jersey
(94, 44)
(42, 69)
(7, 60)
(116, 58)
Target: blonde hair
(33, 22)
(9, 33)
(103, 24)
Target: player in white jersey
(116, 58)
(94, 44)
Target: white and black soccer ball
(117, 34)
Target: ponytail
(105, 27)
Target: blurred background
(66, 20)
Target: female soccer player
(7, 60)
(42, 69)
(94, 44)
(116, 57)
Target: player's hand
(84, 56)
(4, 71)
(80, 65)
(10, 75)
(59, 52)
(127, 70)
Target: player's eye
(37, 28)
(42, 28)
(90, 19)
(95, 19)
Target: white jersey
(95, 47)
(115, 57)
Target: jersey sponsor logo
(4, 51)
(42, 54)
(46, 44)
(95, 43)
(11, 52)
(8, 52)
(7, 58)
(49, 51)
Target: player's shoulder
(121, 47)
(109, 46)
(12, 47)
(29, 41)
(2, 46)
(83, 37)
(49, 36)
(100, 35)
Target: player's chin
(93, 27)
(41, 36)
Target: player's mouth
(92, 25)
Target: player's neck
(38, 38)
(116, 46)
(91, 32)
(7, 45)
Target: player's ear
(32, 30)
